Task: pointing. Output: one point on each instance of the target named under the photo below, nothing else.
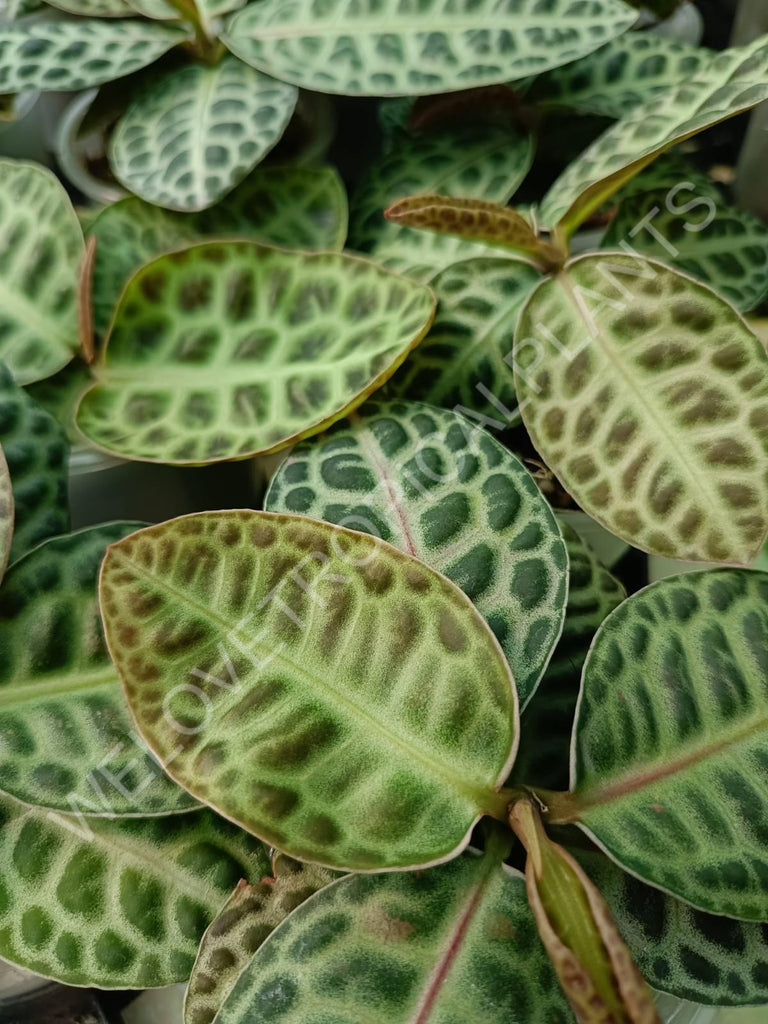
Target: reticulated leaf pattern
(438, 487)
(375, 712)
(58, 396)
(226, 349)
(95, 8)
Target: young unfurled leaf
(465, 361)
(115, 904)
(194, 132)
(477, 221)
(428, 947)
(66, 737)
(396, 49)
(6, 513)
(446, 492)
(647, 395)
(291, 207)
(592, 961)
(41, 251)
(671, 740)
(320, 688)
(721, 245)
(56, 55)
(248, 917)
(225, 350)
(728, 84)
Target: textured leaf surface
(466, 358)
(66, 737)
(429, 947)
(227, 349)
(671, 739)
(446, 492)
(621, 75)
(95, 8)
(36, 450)
(56, 55)
(545, 736)
(39, 257)
(396, 48)
(115, 904)
(375, 713)
(647, 395)
(58, 395)
(697, 956)
(249, 916)
(733, 81)
(194, 132)
(292, 207)
(723, 246)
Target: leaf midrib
(28, 317)
(58, 686)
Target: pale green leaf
(59, 395)
(224, 350)
(444, 491)
(317, 686)
(196, 131)
(95, 8)
(647, 395)
(399, 48)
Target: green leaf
(292, 207)
(723, 246)
(41, 252)
(95, 8)
(59, 395)
(542, 759)
(465, 361)
(396, 48)
(697, 956)
(433, 946)
(66, 738)
(623, 74)
(115, 904)
(730, 83)
(193, 133)
(439, 488)
(666, 172)
(671, 740)
(317, 686)
(56, 55)
(229, 349)
(36, 451)
(6, 513)
(647, 395)
(248, 917)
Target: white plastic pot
(74, 151)
(686, 24)
(607, 547)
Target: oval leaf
(647, 395)
(396, 49)
(225, 350)
(95, 8)
(66, 738)
(194, 132)
(115, 904)
(42, 250)
(446, 492)
(324, 647)
(428, 947)
(671, 739)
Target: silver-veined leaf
(723, 246)
(443, 490)
(224, 350)
(66, 738)
(730, 83)
(398, 48)
(195, 131)
(57, 55)
(647, 395)
(115, 904)
(292, 207)
(95, 8)
(58, 395)
(40, 253)
(319, 687)
(671, 740)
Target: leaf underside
(374, 711)
(225, 350)
(671, 739)
(6, 513)
(444, 491)
(647, 395)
